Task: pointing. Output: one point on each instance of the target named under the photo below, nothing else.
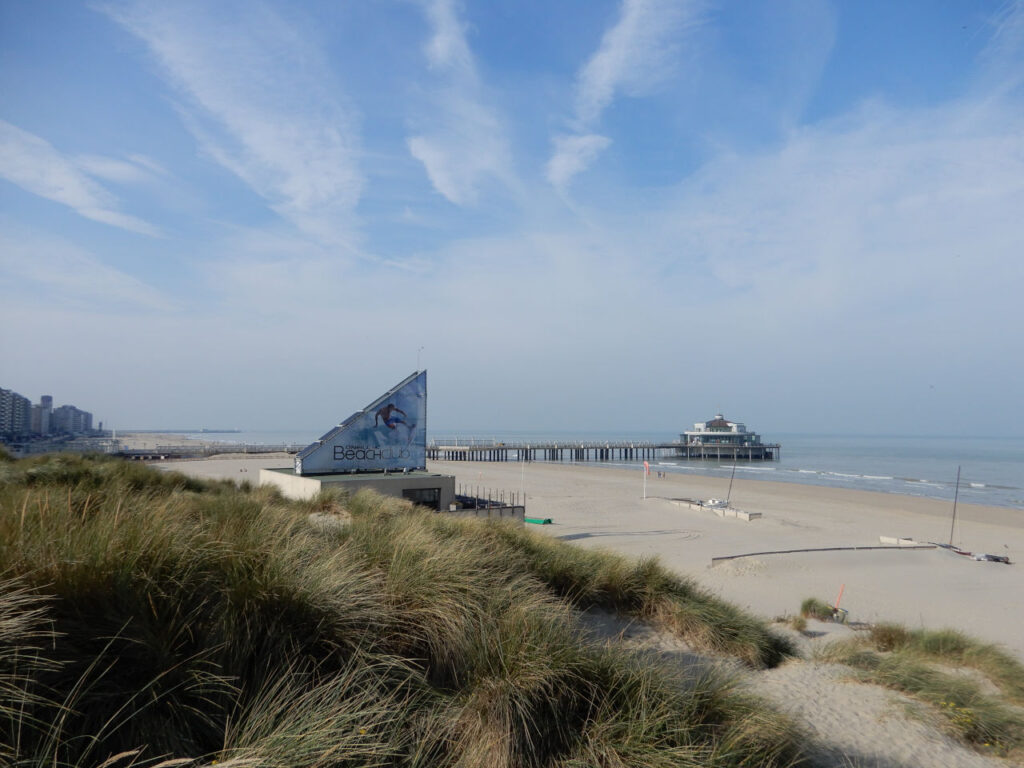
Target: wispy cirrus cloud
(68, 275)
(135, 169)
(635, 58)
(262, 101)
(38, 167)
(462, 142)
(447, 48)
(572, 155)
(1004, 55)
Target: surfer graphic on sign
(387, 415)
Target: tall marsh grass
(146, 617)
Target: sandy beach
(146, 441)
(601, 507)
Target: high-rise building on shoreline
(15, 413)
(20, 419)
(41, 416)
(71, 421)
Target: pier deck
(477, 450)
(201, 450)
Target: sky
(588, 215)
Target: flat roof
(357, 476)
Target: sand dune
(601, 507)
(850, 724)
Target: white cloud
(37, 167)
(135, 170)
(573, 154)
(66, 273)
(464, 142)
(148, 163)
(635, 56)
(888, 220)
(466, 148)
(1004, 55)
(447, 47)
(263, 103)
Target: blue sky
(589, 215)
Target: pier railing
(192, 451)
(477, 449)
(561, 450)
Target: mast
(956, 494)
(731, 478)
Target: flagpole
(647, 470)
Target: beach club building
(720, 439)
(382, 447)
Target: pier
(632, 450)
(200, 450)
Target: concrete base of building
(424, 488)
(513, 513)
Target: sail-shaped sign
(388, 434)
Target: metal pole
(956, 494)
(729, 494)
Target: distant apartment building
(71, 420)
(42, 414)
(19, 418)
(15, 414)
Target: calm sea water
(992, 469)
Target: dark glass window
(425, 497)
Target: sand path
(849, 724)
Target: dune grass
(813, 608)
(797, 623)
(643, 589)
(146, 617)
(954, 648)
(928, 666)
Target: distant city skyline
(592, 215)
(20, 418)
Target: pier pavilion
(720, 438)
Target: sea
(991, 468)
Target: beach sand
(602, 507)
(148, 441)
(848, 724)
